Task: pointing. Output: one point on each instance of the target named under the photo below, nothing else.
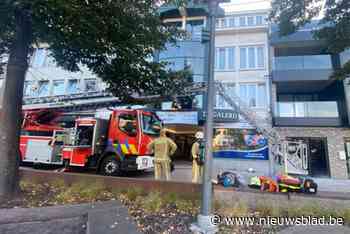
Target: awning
(183, 129)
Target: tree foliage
(115, 39)
(334, 26)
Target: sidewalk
(95, 218)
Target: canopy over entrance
(182, 129)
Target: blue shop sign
(258, 154)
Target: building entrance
(183, 135)
(318, 162)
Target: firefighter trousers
(197, 172)
(162, 169)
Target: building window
(198, 102)
(220, 101)
(259, 20)
(252, 57)
(260, 57)
(230, 58)
(222, 56)
(243, 57)
(43, 88)
(217, 23)
(72, 86)
(231, 22)
(58, 87)
(242, 21)
(261, 95)
(28, 90)
(39, 57)
(250, 20)
(194, 28)
(223, 23)
(90, 85)
(253, 94)
(225, 58)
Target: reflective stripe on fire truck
(131, 148)
(126, 148)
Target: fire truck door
(127, 134)
(100, 134)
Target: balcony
(302, 68)
(322, 114)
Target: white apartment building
(45, 79)
(242, 65)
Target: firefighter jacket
(163, 148)
(195, 150)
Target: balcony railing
(326, 109)
(307, 62)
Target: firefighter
(162, 147)
(197, 165)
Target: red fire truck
(42, 137)
(114, 145)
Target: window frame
(86, 82)
(226, 58)
(48, 88)
(126, 132)
(256, 87)
(256, 66)
(53, 87)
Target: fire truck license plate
(144, 162)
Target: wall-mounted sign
(239, 144)
(178, 117)
(222, 115)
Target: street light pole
(204, 220)
(207, 185)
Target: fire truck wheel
(110, 166)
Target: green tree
(115, 39)
(334, 26)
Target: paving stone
(75, 225)
(94, 218)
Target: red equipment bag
(289, 180)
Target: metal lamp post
(204, 220)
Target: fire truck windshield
(151, 124)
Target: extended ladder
(281, 150)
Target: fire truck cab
(115, 145)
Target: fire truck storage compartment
(45, 151)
